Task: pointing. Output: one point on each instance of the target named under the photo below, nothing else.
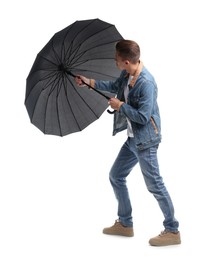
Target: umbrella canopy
(54, 103)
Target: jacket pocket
(154, 125)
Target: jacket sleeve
(109, 86)
(142, 113)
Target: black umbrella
(54, 103)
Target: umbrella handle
(111, 112)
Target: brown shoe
(166, 238)
(119, 230)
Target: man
(137, 111)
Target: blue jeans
(127, 158)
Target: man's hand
(115, 103)
(80, 80)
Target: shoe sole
(118, 234)
(169, 244)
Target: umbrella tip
(61, 67)
(64, 69)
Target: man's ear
(126, 62)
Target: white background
(55, 196)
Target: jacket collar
(136, 74)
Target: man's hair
(128, 50)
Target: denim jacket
(141, 108)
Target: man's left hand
(115, 103)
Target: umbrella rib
(53, 63)
(94, 71)
(55, 53)
(51, 90)
(82, 53)
(74, 65)
(78, 47)
(49, 76)
(53, 69)
(84, 61)
(65, 89)
(63, 51)
(59, 89)
(57, 106)
(45, 87)
(70, 46)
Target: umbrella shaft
(108, 98)
(73, 75)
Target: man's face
(119, 62)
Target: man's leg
(122, 166)
(154, 182)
